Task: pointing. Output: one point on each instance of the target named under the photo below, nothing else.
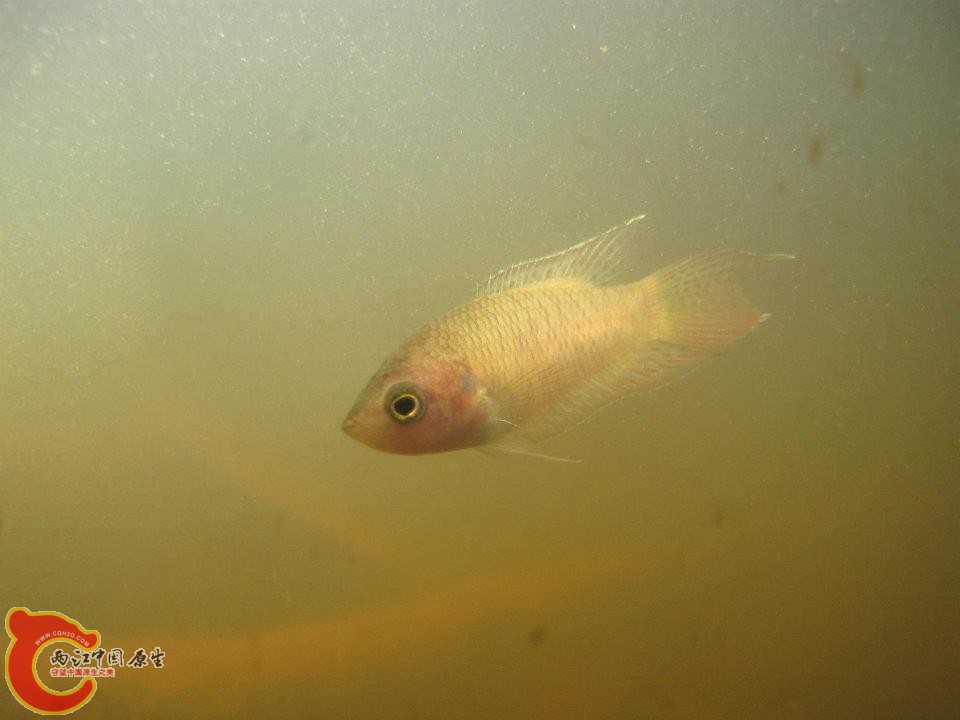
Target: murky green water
(217, 220)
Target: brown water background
(215, 222)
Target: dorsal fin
(594, 260)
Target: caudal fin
(697, 303)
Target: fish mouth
(349, 426)
(354, 427)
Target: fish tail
(697, 303)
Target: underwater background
(217, 219)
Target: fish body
(546, 343)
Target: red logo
(30, 633)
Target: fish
(546, 343)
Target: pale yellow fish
(546, 343)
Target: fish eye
(404, 403)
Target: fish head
(416, 405)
